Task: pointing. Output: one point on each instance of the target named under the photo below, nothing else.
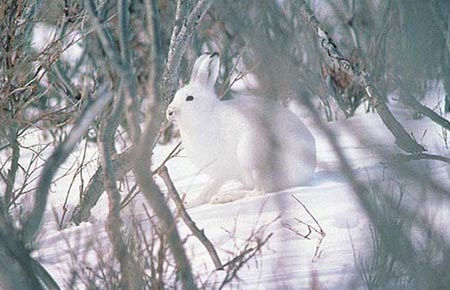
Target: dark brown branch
(199, 234)
(320, 231)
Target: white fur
(250, 139)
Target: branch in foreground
(157, 201)
(144, 144)
(199, 234)
(131, 276)
(419, 156)
(336, 61)
(14, 272)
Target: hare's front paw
(228, 196)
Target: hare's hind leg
(205, 196)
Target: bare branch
(424, 110)
(419, 156)
(321, 231)
(9, 192)
(335, 60)
(59, 155)
(146, 142)
(104, 36)
(199, 234)
(234, 265)
(317, 229)
(178, 46)
(122, 164)
(131, 278)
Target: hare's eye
(189, 98)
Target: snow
(286, 261)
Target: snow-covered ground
(287, 261)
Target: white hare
(247, 138)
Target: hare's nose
(170, 113)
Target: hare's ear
(206, 70)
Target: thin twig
(59, 155)
(199, 234)
(322, 232)
(319, 230)
(235, 264)
(172, 154)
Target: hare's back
(257, 112)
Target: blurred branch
(59, 155)
(18, 270)
(60, 72)
(179, 42)
(199, 234)
(43, 275)
(131, 276)
(128, 80)
(407, 254)
(424, 110)
(104, 35)
(440, 20)
(336, 61)
(157, 201)
(15, 272)
(147, 140)
(419, 156)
